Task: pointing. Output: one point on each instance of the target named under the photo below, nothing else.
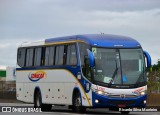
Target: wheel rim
(78, 102)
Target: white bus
(83, 71)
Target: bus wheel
(38, 103)
(77, 104)
(125, 112)
(37, 100)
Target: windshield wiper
(113, 76)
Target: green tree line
(153, 81)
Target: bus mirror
(91, 58)
(148, 58)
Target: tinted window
(83, 52)
(49, 55)
(84, 60)
(21, 57)
(29, 57)
(71, 55)
(59, 55)
(37, 58)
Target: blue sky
(31, 20)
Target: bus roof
(99, 40)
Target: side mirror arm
(148, 57)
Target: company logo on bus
(138, 90)
(36, 76)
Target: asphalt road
(65, 111)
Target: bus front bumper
(104, 101)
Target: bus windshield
(119, 66)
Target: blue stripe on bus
(101, 40)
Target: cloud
(101, 5)
(8, 51)
(39, 19)
(3, 46)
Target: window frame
(35, 57)
(69, 54)
(57, 57)
(58, 49)
(30, 63)
(84, 59)
(48, 49)
(24, 59)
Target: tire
(125, 112)
(38, 103)
(77, 104)
(37, 100)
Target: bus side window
(29, 57)
(21, 57)
(49, 55)
(71, 55)
(37, 56)
(59, 55)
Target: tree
(152, 83)
(154, 78)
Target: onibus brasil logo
(36, 76)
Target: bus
(83, 71)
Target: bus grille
(119, 96)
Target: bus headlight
(142, 93)
(100, 92)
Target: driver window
(84, 60)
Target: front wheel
(77, 104)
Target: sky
(32, 20)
